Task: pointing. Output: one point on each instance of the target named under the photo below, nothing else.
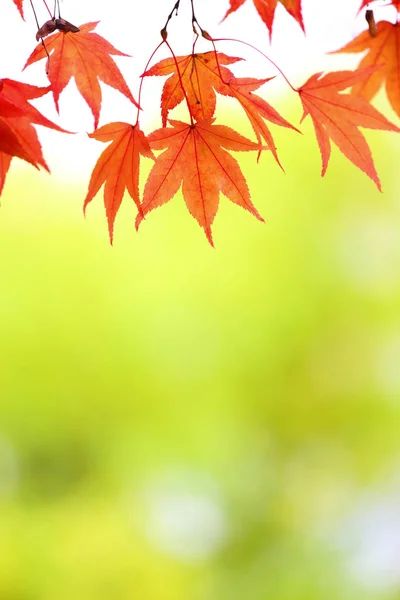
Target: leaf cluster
(196, 155)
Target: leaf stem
(171, 14)
(48, 10)
(38, 26)
(257, 50)
(56, 5)
(181, 83)
(141, 79)
(194, 20)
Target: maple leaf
(17, 116)
(256, 109)
(18, 137)
(118, 167)
(18, 4)
(266, 10)
(7, 107)
(383, 53)
(86, 56)
(194, 156)
(17, 94)
(199, 76)
(337, 116)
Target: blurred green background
(183, 423)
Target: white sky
(329, 25)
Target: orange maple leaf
(383, 53)
(256, 109)
(16, 118)
(337, 116)
(194, 157)
(266, 10)
(86, 57)
(199, 76)
(118, 167)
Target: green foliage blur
(183, 423)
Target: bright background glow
(184, 423)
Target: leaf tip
(207, 230)
(110, 220)
(258, 216)
(85, 203)
(138, 220)
(209, 238)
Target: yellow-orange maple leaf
(194, 157)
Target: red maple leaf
(18, 94)
(11, 145)
(86, 57)
(266, 10)
(383, 52)
(337, 116)
(9, 142)
(17, 116)
(199, 76)
(18, 4)
(118, 167)
(194, 156)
